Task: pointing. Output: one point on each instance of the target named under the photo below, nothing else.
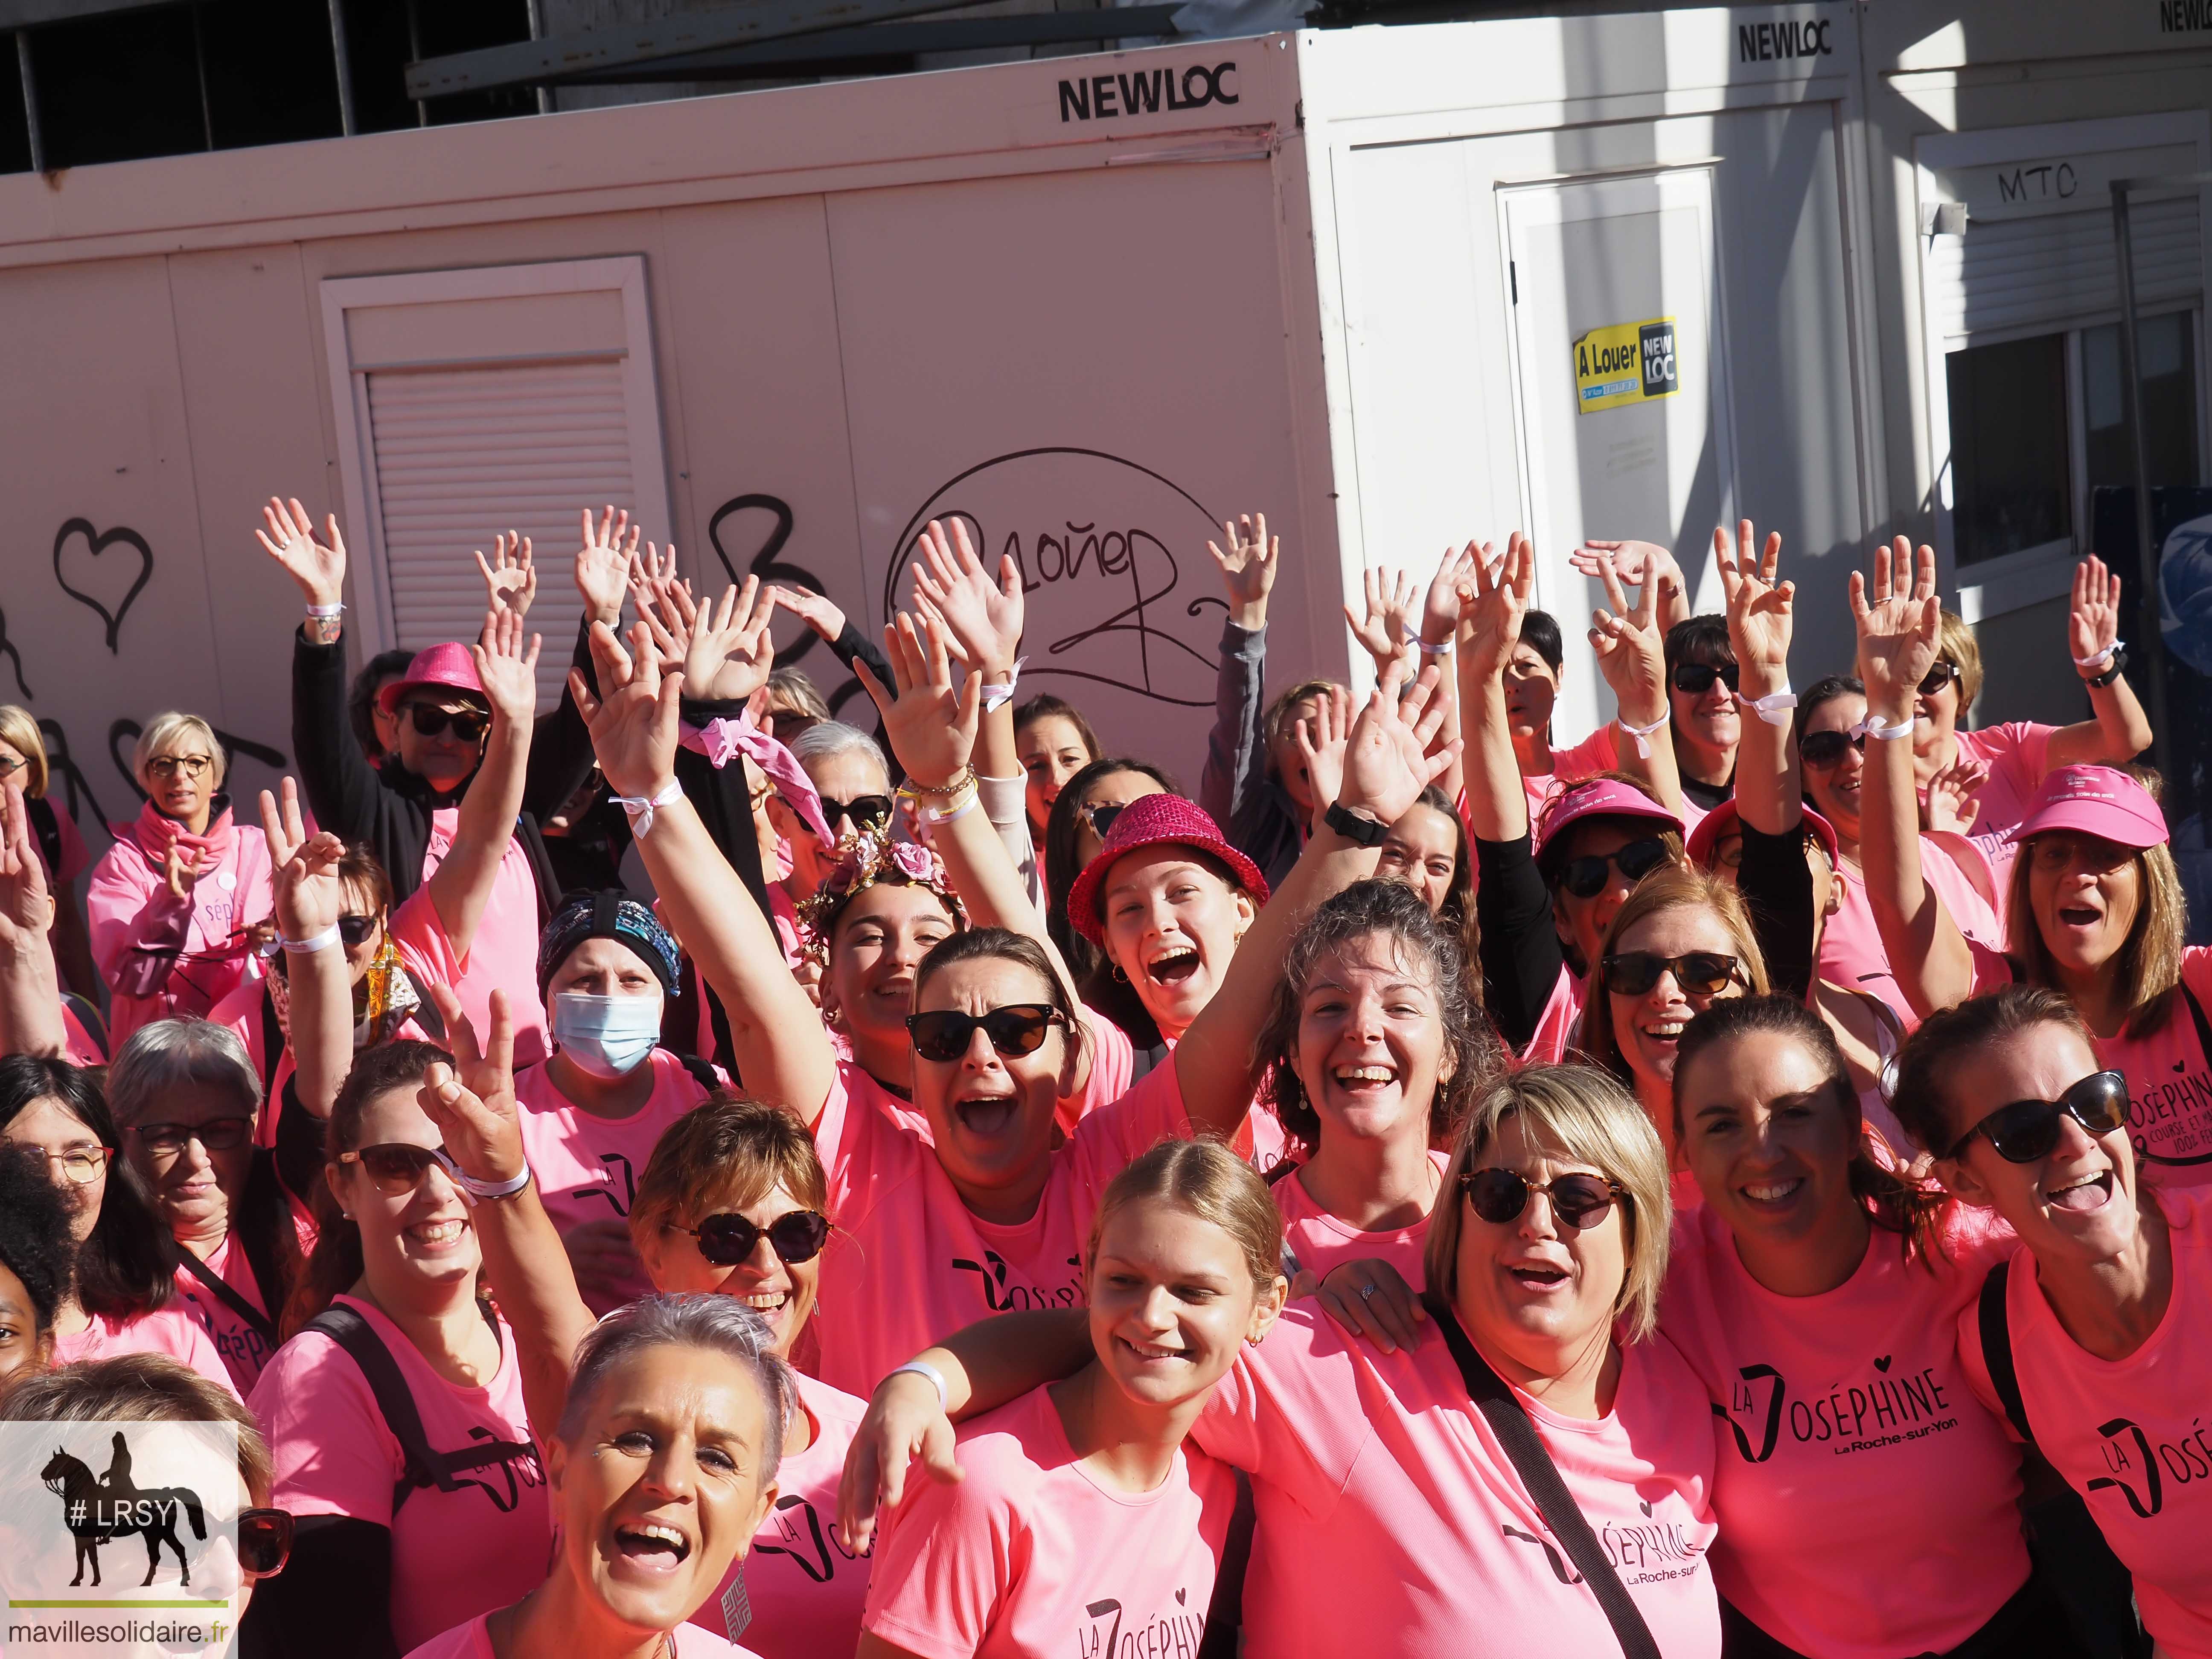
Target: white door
(1621, 387)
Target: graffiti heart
(106, 574)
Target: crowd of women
(684, 1174)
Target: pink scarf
(721, 740)
(152, 835)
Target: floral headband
(865, 857)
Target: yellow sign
(1626, 363)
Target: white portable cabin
(1627, 275)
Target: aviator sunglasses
(1018, 1027)
(727, 1239)
(1585, 877)
(1699, 973)
(1580, 1201)
(2028, 1129)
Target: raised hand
(1500, 601)
(984, 617)
(1451, 592)
(510, 579)
(1954, 798)
(930, 722)
(1386, 762)
(303, 869)
(1897, 627)
(1759, 606)
(1320, 742)
(1629, 642)
(604, 564)
(472, 1100)
(817, 612)
(726, 646)
(1247, 568)
(26, 906)
(2092, 625)
(633, 724)
(1389, 597)
(183, 870)
(289, 538)
(508, 672)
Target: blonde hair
(1583, 1114)
(1955, 644)
(1202, 1178)
(727, 1152)
(1670, 887)
(21, 732)
(165, 729)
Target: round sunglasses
(1018, 1027)
(1586, 876)
(727, 1239)
(2028, 1129)
(1699, 973)
(1580, 1201)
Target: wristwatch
(2111, 671)
(1355, 826)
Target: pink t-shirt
(1830, 1407)
(454, 1554)
(243, 1350)
(1851, 952)
(1560, 1027)
(502, 957)
(1378, 1467)
(472, 1641)
(586, 1167)
(79, 1046)
(171, 1330)
(1031, 1554)
(910, 1263)
(1598, 752)
(1321, 1242)
(2129, 1435)
(804, 1591)
(2018, 754)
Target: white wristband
(1643, 735)
(639, 808)
(1413, 638)
(2098, 659)
(308, 946)
(920, 1369)
(1773, 709)
(325, 613)
(1874, 726)
(472, 1189)
(997, 696)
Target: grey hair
(170, 1054)
(166, 728)
(699, 1320)
(827, 737)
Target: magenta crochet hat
(1156, 821)
(1598, 798)
(448, 665)
(2097, 800)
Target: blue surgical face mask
(608, 1036)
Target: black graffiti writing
(15, 657)
(99, 542)
(233, 747)
(768, 567)
(816, 1550)
(2047, 183)
(1107, 97)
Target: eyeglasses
(264, 1540)
(1018, 1027)
(1699, 973)
(1585, 877)
(1826, 749)
(1696, 679)
(1938, 677)
(11, 765)
(81, 1165)
(1580, 1201)
(221, 1135)
(468, 724)
(1100, 815)
(356, 930)
(2028, 1129)
(167, 766)
(398, 1166)
(726, 1240)
(865, 811)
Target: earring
(1119, 975)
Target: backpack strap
(1996, 1350)
(1540, 1476)
(224, 1291)
(395, 1403)
(425, 1012)
(273, 1042)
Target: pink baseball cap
(2097, 800)
(1596, 798)
(1154, 820)
(448, 665)
(1725, 820)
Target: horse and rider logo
(100, 1509)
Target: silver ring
(1367, 1293)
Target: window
(2169, 401)
(2008, 450)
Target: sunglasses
(398, 1166)
(866, 810)
(726, 1240)
(1699, 973)
(468, 724)
(356, 930)
(2028, 1129)
(1585, 877)
(1016, 1028)
(264, 1540)
(1696, 679)
(1580, 1201)
(1100, 815)
(1826, 749)
(222, 1134)
(1937, 678)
